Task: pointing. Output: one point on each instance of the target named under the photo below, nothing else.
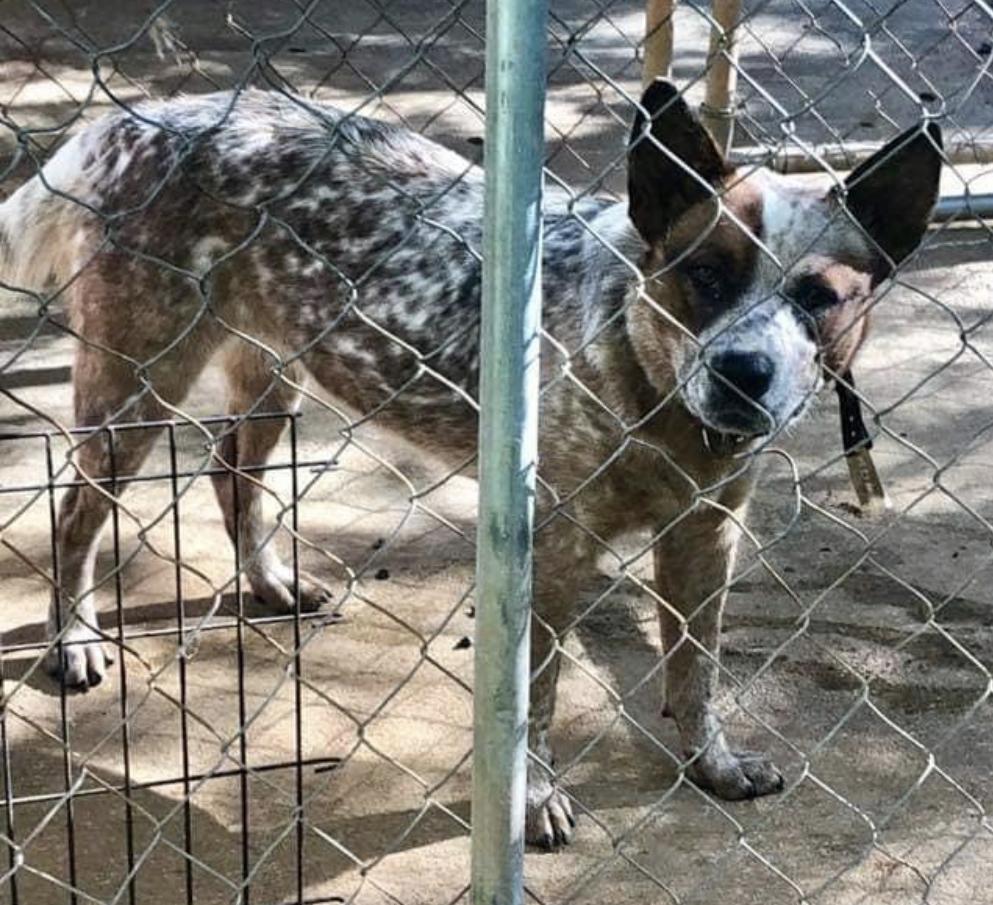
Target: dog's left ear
(673, 162)
(893, 194)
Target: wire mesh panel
(287, 718)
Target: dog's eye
(704, 279)
(813, 296)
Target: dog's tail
(40, 226)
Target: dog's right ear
(673, 162)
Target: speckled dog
(349, 249)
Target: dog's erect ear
(893, 193)
(662, 185)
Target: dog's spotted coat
(297, 239)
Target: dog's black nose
(748, 372)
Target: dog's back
(336, 241)
(345, 241)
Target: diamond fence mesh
(311, 741)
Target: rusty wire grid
(237, 754)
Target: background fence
(235, 755)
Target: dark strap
(854, 435)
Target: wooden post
(717, 110)
(658, 39)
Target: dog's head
(765, 284)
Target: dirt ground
(866, 668)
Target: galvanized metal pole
(964, 208)
(508, 442)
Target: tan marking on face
(724, 237)
(843, 328)
(664, 328)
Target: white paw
(549, 821)
(81, 660)
(276, 591)
(733, 775)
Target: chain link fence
(288, 718)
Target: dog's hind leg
(107, 390)
(254, 386)
(693, 564)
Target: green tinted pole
(508, 442)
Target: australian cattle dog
(698, 319)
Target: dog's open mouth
(722, 443)
(727, 432)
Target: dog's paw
(80, 662)
(549, 821)
(734, 775)
(277, 592)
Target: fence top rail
(190, 422)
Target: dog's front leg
(563, 558)
(693, 563)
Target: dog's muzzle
(729, 393)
